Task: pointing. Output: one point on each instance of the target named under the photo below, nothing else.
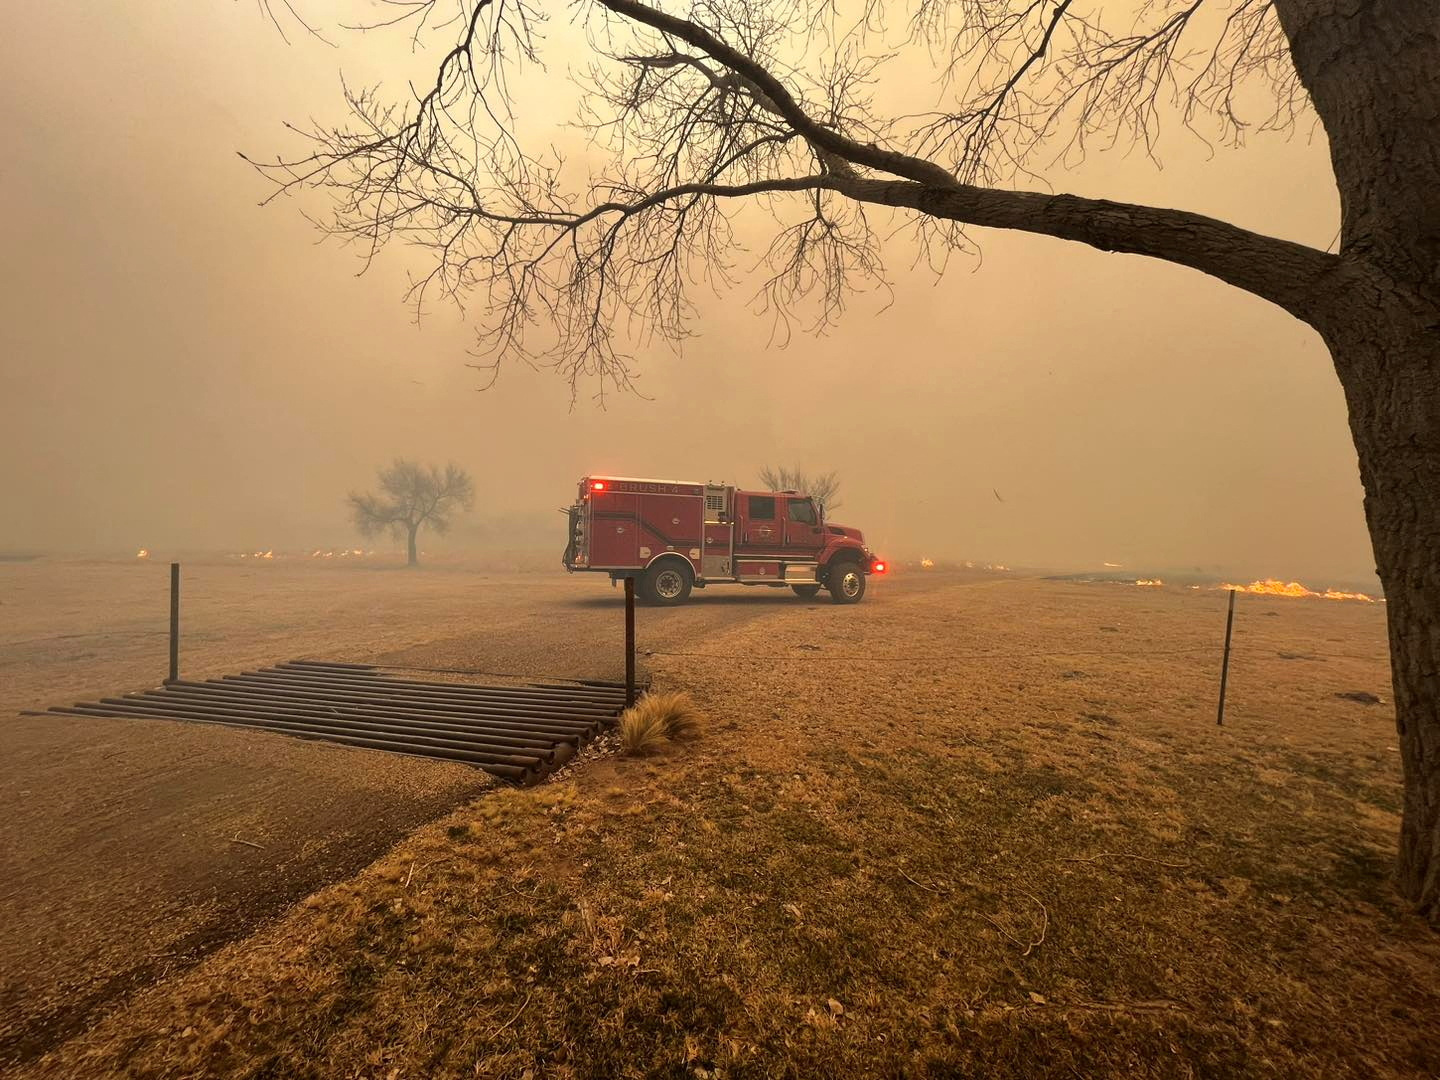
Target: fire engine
(672, 536)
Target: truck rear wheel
(806, 592)
(667, 582)
(847, 582)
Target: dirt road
(133, 847)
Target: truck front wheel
(847, 583)
(667, 582)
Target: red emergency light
(877, 567)
(598, 485)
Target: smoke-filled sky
(182, 369)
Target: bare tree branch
(735, 111)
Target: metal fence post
(629, 642)
(174, 622)
(1225, 664)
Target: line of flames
(318, 553)
(1275, 587)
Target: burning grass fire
(1272, 587)
(318, 553)
(1275, 587)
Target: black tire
(667, 583)
(846, 582)
(806, 592)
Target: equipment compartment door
(716, 561)
(614, 531)
(670, 523)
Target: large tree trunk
(1370, 68)
(412, 560)
(1392, 385)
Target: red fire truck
(675, 535)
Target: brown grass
(1024, 850)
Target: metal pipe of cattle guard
(174, 622)
(629, 642)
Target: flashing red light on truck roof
(598, 485)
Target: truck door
(761, 529)
(804, 536)
(760, 547)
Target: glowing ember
(1275, 587)
(143, 553)
(1149, 581)
(927, 564)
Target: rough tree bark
(411, 557)
(1370, 67)
(1390, 373)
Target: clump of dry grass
(656, 719)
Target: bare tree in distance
(709, 106)
(824, 488)
(412, 497)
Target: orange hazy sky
(180, 368)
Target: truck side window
(762, 508)
(802, 511)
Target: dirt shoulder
(1015, 846)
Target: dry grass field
(974, 826)
(131, 848)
